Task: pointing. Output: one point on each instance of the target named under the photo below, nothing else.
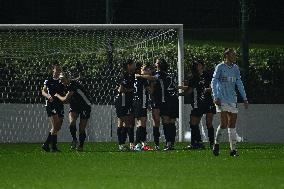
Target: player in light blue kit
(225, 79)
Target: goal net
(92, 52)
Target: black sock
(156, 134)
(195, 134)
(130, 132)
(198, 135)
(124, 134)
(73, 131)
(119, 135)
(138, 135)
(48, 139)
(166, 132)
(211, 135)
(172, 133)
(143, 134)
(54, 141)
(82, 137)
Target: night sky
(266, 15)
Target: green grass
(101, 166)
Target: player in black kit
(202, 103)
(80, 105)
(141, 103)
(165, 100)
(123, 105)
(54, 107)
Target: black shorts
(203, 108)
(55, 109)
(84, 112)
(170, 108)
(123, 109)
(138, 109)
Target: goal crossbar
(90, 26)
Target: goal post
(26, 45)
(180, 80)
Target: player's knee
(72, 123)
(143, 123)
(231, 126)
(57, 129)
(173, 121)
(120, 123)
(165, 119)
(209, 124)
(157, 122)
(81, 129)
(223, 126)
(54, 131)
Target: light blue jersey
(225, 79)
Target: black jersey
(54, 86)
(79, 97)
(140, 90)
(127, 81)
(165, 86)
(199, 84)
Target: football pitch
(102, 166)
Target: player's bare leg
(220, 131)
(82, 133)
(156, 127)
(168, 132)
(46, 144)
(141, 135)
(73, 130)
(56, 126)
(196, 142)
(121, 134)
(210, 128)
(129, 127)
(232, 118)
(172, 132)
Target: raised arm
(148, 77)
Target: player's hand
(207, 90)
(217, 102)
(246, 104)
(50, 99)
(137, 75)
(182, 87)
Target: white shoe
(122, 148)
(131, 146)
(138, 147)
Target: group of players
(60, 89)
(142, 89)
